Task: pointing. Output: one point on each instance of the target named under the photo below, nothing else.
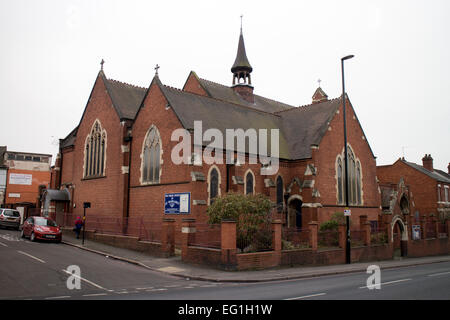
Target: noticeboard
(416, 232)
(177, 203)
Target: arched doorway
(399, 237)
(295, 212)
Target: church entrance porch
(294, 214)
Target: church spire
(241, 69)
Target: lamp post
(347, 217)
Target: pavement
(174, 266)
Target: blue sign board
(177, 203)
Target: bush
(252, 216)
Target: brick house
(417, 194)
(119, 156)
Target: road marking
(94, 294)
(144, 288)
(172, 286)
(438, 274)
(3, 244)
(33, 257)
(385, 283)
(61, 297)
(161, 289)
(309, 296)
(85, 280)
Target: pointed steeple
(241, 69)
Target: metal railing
(293, 238)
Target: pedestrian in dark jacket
(78, 225)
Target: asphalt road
(37, 270)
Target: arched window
(151, 157)
(354, 179)
(358, 183)
(95, 152)
(214, 181)
(280, 195)
(249, 183)
(340, 182)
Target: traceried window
(249, 182)
(354, 179)
(151, 157)
(213, 184)
(95, 152)
(280, 194)
(341, 186)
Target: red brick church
(118, 158)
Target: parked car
(41, 228)
(9, 218)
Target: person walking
(78, 226)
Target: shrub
(252, 216)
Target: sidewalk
(176, 267)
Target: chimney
(448, 168)
(427, 161)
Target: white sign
(347, 212)
(14, 195)
(20, 178)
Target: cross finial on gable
(156, 69)
(319, 81)
(102, 63)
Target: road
(38, 271)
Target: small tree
(251, 213)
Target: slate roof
(223, 108)
(126, 98)
(299, 127)
(69, 140)
(436, 175)
(221, 92)
(222, 115)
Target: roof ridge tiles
(221, 100)
(306, 106)
(126, 83)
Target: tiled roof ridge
(225, 101)
(222, 85)
(307, 106)
(127, 84)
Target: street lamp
(347, 217)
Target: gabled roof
(300, 128)
(438, 176)
(306, 126)
(126, 98)
(69, 140)
(221, 92)
(222, 115)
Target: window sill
(92, 178)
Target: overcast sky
(398, 82)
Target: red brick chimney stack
(427, 161)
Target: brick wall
(423, 188)
(105, 193)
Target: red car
(41, 228)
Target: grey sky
(398, 81)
